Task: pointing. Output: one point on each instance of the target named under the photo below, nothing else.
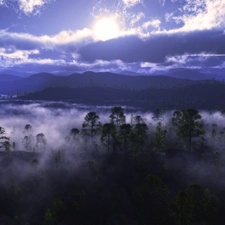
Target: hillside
(41, 81)
(201, 96)
(8, 77)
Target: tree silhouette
(124, 136)
(117, 116)
(28, 130)
(108, 137)
(4, 141)
(139, 136)
(195, 204)
(41, 141)
(157, 115)
(188, 125)
(27, 140)
(136, 120)
(73, 136)
(91, 124)
(159, 140)
(27, 143)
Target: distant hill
(123, 81)
(201, 96)
(8, 77)
(182, 73)
(190, 74)
(41, 81)
(15, 73)
(32, 83)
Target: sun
(105, 29)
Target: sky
(121, 36)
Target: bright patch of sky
(149, 35)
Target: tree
(117, 116)
(157, 115)
(28, 130)
(152, 201)
(139, 136)
(91, 124)
(124, 135)
(4, 141)
(188, 125)
(27, 143)
(136, 120)
(194, 205)
(41, 141)
(73, 136)
(27, 140)
(159, 140)
(108, 136)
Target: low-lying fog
(56, 119)
(53, 119)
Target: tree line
(117, 135)
(114, 188)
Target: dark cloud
(156, 48)
(18, 41)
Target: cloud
(145, 39)
(130, 3)
(25, 41)
(28, 7)
(152, 23)
(26, 49)
(16, 54)
(102, 66)
(196, 60)
(136, 18)
(31, 6)
(200, 15)
(155, 48)
(64, 66)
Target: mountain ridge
(198, 95)
(41, 81)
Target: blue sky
(151, 37)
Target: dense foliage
(116, 173)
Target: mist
(56, 119)
(85, 166)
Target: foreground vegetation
(117, 173)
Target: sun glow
(105, 29)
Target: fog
(56, 119)
(63, 168)
(53, 119)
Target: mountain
(32, 83)
(8, 77)
(123, 81)
(198, 95)
(40, 81)
(15, 73)
(189, 74)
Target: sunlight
(105, 29)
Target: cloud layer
(153, 35)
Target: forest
(124, 169)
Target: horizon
(186, 74)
